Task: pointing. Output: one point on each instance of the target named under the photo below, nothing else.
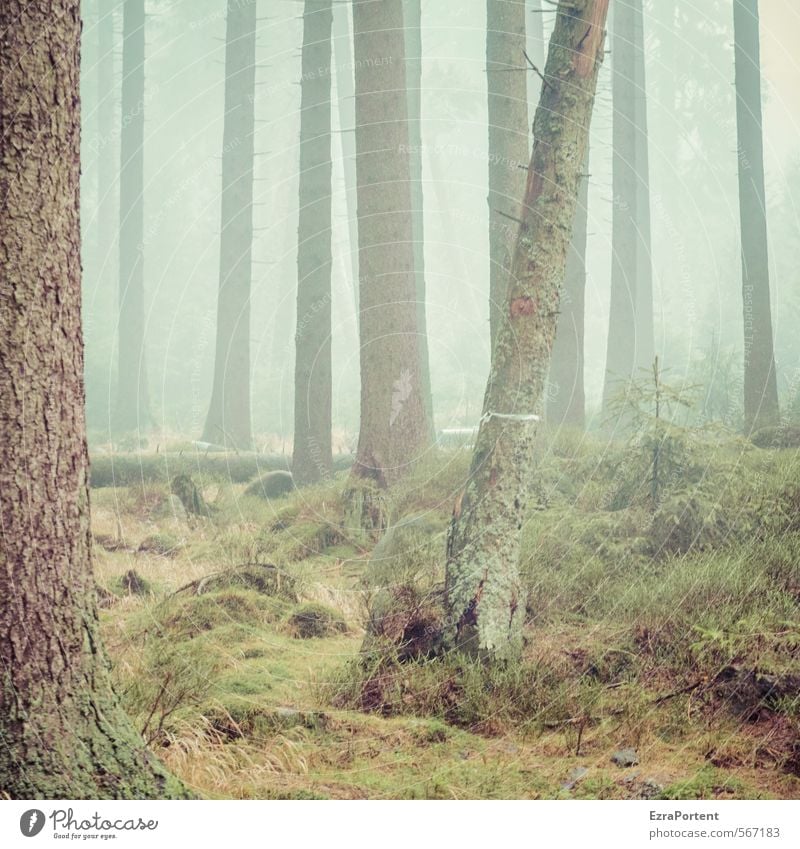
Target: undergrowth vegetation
(271, 650)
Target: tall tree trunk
(394, 430)
(412, 27)
(228, 420)
(346, 102)
(64, 734)
(566, 402)
(312, 461)
(484, 598)
(506, 72)
(760, 384)
(106, 159)
(645, 336)
(621, 357)
(132, 411)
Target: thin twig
(533, 67)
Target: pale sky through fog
(780, 65)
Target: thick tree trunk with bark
(484, 598)
(566, 402)
(621, 356)
(394, 429)
(645, 335)
(412, 27)
(132, 410)
(311, 460)
(506, 71)
(760, 384)
(228, 420)
(62, 732)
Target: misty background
(694, 208)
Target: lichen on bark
(485, 606)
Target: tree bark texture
(760, 383)
(311, 459)
(484, 598)
(228, 421)
(394, 429)
(645, 334)
(506, 71)
(566, 401)
(412, 28)
(132, 410)
(63, 733)
(621, 360)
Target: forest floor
(662, 654)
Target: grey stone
(625, 757)
(271, 485)
(577, 774)
(650, 789)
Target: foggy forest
(399, 399)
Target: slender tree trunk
(760, 384)
(621, 353)
(106, 158)
(63, 734)
(132, 410)
(506, 71)
(412, 27)
(228, 420)
(394, 429)
(645, 336)
(566, 402)
(484, 598)
(346, 97)
(312, 461)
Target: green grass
(259, 688)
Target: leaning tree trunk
(311, 459)
(645, 335)
(485, 602)
(394, 429)
(63, 732)
(621, 359)
(760, 384)
(346, 103)
(132, 409)
(228, 420)
(412, 27)
(566, 402)
(506, 72)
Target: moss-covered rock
(262, 578)
(777, 436)
(190, 616)
(272, 485)
(315, 620)
(412, 549)
(132, 583)
(188, 493)
(164, 544)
